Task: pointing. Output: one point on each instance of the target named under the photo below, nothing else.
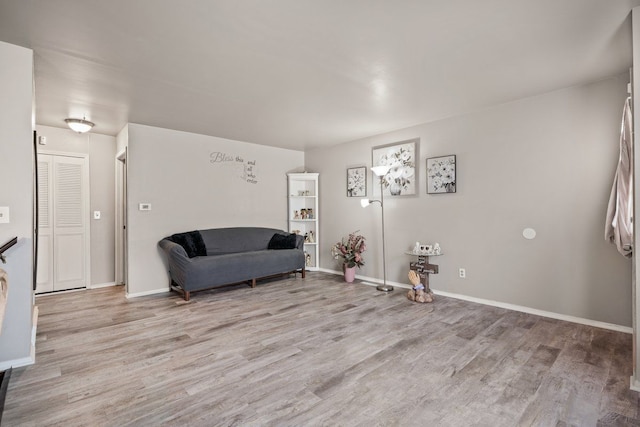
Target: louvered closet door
(69, 250)
(63, 259)
(44, 280)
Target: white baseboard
(375, 281)
(102, 285)
(146, 293)
(17, 363)
(595, 323)
(543, 313)
(634, 383)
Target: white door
(63, 223)
(44, 280)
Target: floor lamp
(380, 172)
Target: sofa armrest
(172, 248)
(179, 262)
(299, 241)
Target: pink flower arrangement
(350, 250)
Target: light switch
(96, 214)
(144, 206)
(4, 214)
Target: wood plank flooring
(310, 352)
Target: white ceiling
(306, 73)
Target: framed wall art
(401, 157)
(357, 182)
(441, 175)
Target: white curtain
(619, 226)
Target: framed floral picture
(401, 157)
(441, 175)
(357, 182)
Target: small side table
(423, 267)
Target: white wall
(102, 151)
(122, 139)
(16, 192)
(174, 172)
(545, 162)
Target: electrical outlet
(96, 215)
(462, 273)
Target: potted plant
(349, 249)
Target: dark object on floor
(4, 385)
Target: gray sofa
(233, 255)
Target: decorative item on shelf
(300, 192)
(312, 239)
(307, 259)
(420, 249)
(296, 215)
(309, 213)
(349, 250)
(303, 214)
(425, 249)
(295, 231)
(307, 192)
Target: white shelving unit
(303, 200)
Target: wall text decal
(244, 170)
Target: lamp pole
(380, 172)
(384, 287)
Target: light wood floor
(314, 352)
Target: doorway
(63, 222)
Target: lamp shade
(79, 125)
(365, 202)
(380, 170)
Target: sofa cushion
(191, 242)
(282, 241)
(211, 271)
(230, 240)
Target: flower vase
(349, 274)
(395, 189)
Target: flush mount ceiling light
(79, 125)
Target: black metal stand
(4, 385)
(6, 246)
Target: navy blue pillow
(191, 242)
(282, 241)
